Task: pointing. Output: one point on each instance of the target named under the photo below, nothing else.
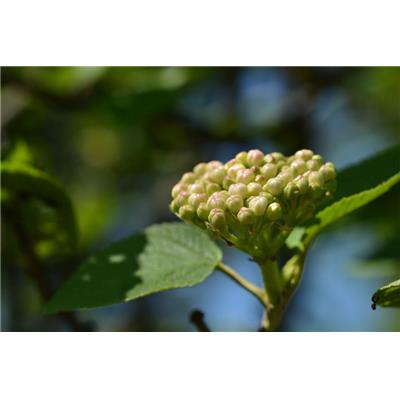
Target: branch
(250, 287)
(197, 319)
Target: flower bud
(216, 200)
(313, 165)
(286, 176)
(227, 182)
(182, 199)
(267, 196)
(302, 184)
(255, 158)
(274, 186)
(217, 218)
(328, 171)
(317, 158)
(316, 179)
(213, 164)
(238, 188)
(261, 179)
(277, 156)
(254, 188)
(217, 175)
(299, 166)
(291, 191)
(234, 169)
(234, 203)
(212, 188)
(174, 207)
(304, 154)
(245, 176)
(187, 212)
(200, 169)
(258, 205)
(274, 211)
(203, 211)
(196, 198)
(196, 188)
(246, 216)
(269, 170)
(188, 177)
(179, 187)
(242, 158)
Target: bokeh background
(119, 138)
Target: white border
(207, 32)
(199, 366)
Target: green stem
(250, 287)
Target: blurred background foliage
(117, 139)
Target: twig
(250, 287)
(197, 319)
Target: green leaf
(27, 181)
(357, 185)
(165, 256)
(387, 296)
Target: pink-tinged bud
(328, 171)
(196, 198)
(217, 218)
(200, 169)
(313, 165)
(212, 188)
(232, 171)
(238, 188)
(254, 188)
(203, 211)
(242, 158)
(255, 158)
(217, 175)
(188, 177)
(182, 199)
(196, 188)
(299, 166)
(213, 164)
(269, 170)
(231, 163)
(246, 216)
(187, 212)
(274, 211)
(234, 203)
(179, 187)
(258, 205)
(245, 176)
(274, 186)
(316, 180)
(216, 201)
(304, 154)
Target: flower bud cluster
(253, 193)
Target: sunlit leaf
(165, 256)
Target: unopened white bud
(234, 203)
(245, 176)
(217, 175)
(196, 198)
(217, 218)
(269, 170)
(246, 216)
(238, 188)
(274, 211)
(216, 201)
(274, 186)
(254, 188)
(258, 205)
(255, 158)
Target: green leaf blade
(388, 296)
(166, 256)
